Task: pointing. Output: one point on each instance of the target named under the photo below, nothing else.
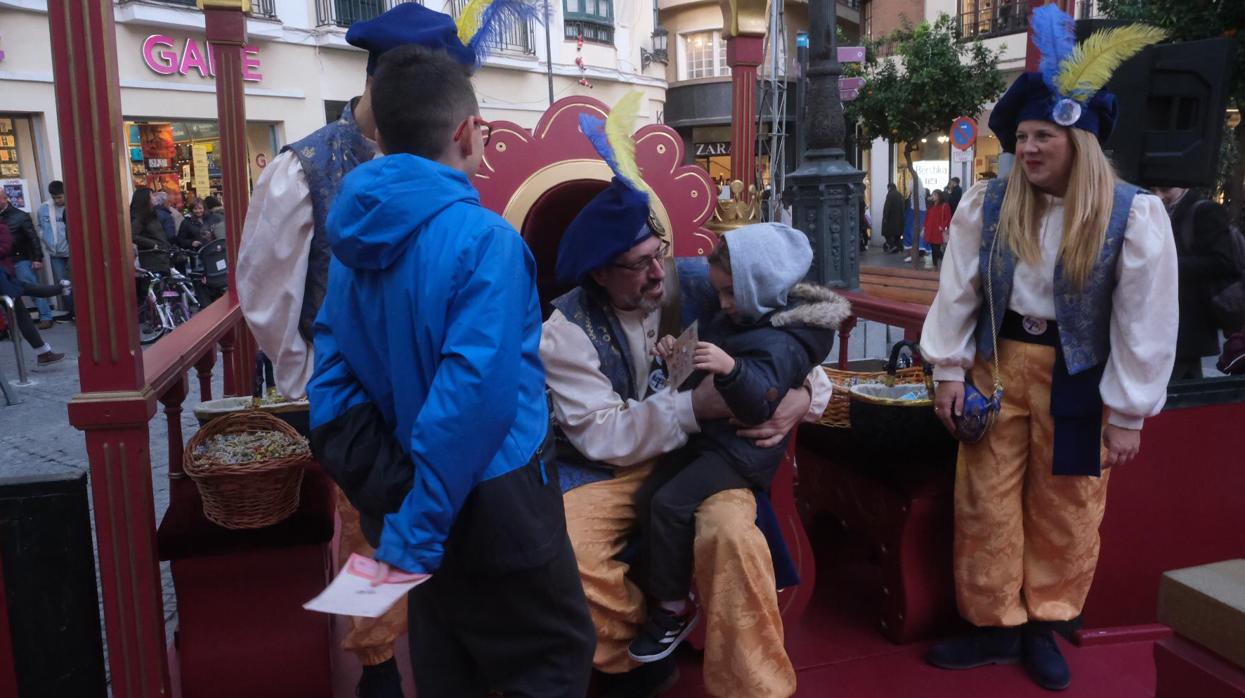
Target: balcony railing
(592, 31)
(259, 8)
(981, 19)
(515, 36)
(343, 13)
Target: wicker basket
(838, 412)
(246, 495)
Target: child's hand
(664, 347)
(711, 358)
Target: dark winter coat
(214, 223)
(953, 198)
(153, 245)
(26, 246)
(893, 215)
(1205, 253)
(771, 356)
(8, 272)
(192, 230)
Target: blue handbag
(979, 411)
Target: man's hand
(1122, 444)
(710, 357)
(790, 411)
(949, 403)
(707, 402)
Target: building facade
(299, 72)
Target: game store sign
(165, 55)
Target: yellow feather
(1093, 62)
(619, 127)
(469, 19)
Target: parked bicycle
(165, 302)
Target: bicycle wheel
(150, 327)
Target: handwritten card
(352, 593)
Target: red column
(226, 33)
(743, 55)
(114, 407)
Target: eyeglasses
(486, 128)
(646, 262)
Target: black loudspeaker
(1173, 100)
(48, 563)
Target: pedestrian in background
(937, 221)
(954, 192)
(892, 219)
(13, 288)
(26, 253)
(55, 236)
(1204, 251)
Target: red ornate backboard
(540, 179)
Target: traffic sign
(963, 133)
(848, 95)
(851, 84)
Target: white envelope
(351, 593)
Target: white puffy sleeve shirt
(272, 270)
(598, 421)
(1144, 310)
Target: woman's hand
(711, 358)
(949, 403)
(1122, 444)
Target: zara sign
(162, 57)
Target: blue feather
(1054, 35)
(594, 129)
(497, 16)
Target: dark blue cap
(612, 223)
(409, 23)
(1030, 98)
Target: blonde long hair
(1086, 214)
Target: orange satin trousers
(369, 639)
(744, 653)
(1026, 541)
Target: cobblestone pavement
(37, 440)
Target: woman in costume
(1058, 286)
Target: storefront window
(984, 18)
(182, 158)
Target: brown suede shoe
(45, 324)
(49, 357)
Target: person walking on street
(55, 235)
(954, 193)
(937, 221)
(26, 253)
(1204, 251)
(12, 287)
(893, 219)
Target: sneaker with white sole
(662, 633)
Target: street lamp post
(826, 188)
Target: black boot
(1043, 660)
(981, 647)
(380, 681)
(645, 681)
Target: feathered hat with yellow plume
(618, 218)
(466, 39)
(1067, 89)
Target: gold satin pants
(1026, 541)
(744, 653)
(369, 639)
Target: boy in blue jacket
(430, 333)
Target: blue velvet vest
(588, 310)
(326, 156)
(1083, 314)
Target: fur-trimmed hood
(814, 306)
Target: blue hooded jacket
(431, 314)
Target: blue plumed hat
(617, 219)
(466, 39)
(1067, 88)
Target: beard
(648, 301)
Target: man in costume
(1059, 289)
(617, 418)
(283, 273)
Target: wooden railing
(907, 316)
